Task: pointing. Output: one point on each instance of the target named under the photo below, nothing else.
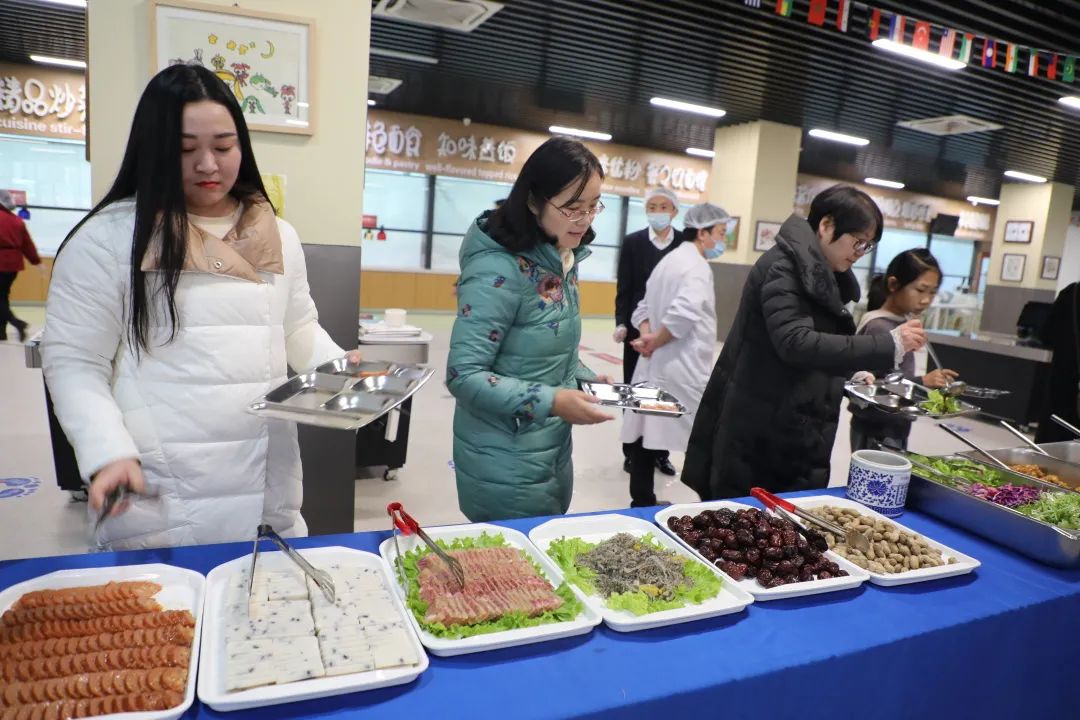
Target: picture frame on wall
(1012, 267)
(266, 59)
(765, 235)
(1019, 231)
(1051, 264)
(731, 237)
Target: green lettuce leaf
(1057, 508)
(706, 583)
(569, 610)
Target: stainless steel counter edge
(994, 343)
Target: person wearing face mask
(513, 367)
(770, 410)
(677, 324)
(641, 251)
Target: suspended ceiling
(596, 63)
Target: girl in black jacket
(769, 413)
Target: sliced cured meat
(167, 635)
(96, 626)
(498, 582)
(110, 592)
(81, 611)
(143, 658)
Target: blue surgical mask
(714, 252)
(659, 221)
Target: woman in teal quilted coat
(513, 365)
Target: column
(1047, 206)
(753, 177)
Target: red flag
(843, 12)
(875, 24)
(816, 14)
(921, 39)
(1051, 68)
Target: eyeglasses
(863, 246)
(576, 216)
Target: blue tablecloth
(998, 643)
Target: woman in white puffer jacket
(178, 300)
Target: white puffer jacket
(216, 471)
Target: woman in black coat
(769, 413)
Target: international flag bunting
(1051, 68)
(965, 48)
(875, 24)
(921, 39)
(783, 7)
(989, 56)
(896, 30)
(948, 43)
(843, 13)
(753, 3)
(816, 14)
(1068, 71)
(1010, 58)
(1033, 64)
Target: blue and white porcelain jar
(879, 480)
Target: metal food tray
(631, 397)
(1069, 473)
(903, 398)
(1035, 539)
(1069, 451)
(343, 395)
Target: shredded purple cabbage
(1008, 495)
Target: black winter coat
(770, 410)
(638, 257)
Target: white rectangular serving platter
(212, 668)
(596, 529)
(856, 575)
(963, 565)
(445, 647)
(181, 589)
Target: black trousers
(642, 470)
(6, 316)
(629, 364)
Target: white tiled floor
(46, 522)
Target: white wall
(1070, 258)
(324, 171)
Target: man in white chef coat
(677, 322)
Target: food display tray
(342, 394)
(581, 625)
(856, 575)
(637, 398)
(902, 398)
(596, 529)
(1033, 538)
(1068, 472)
(1069, 451)
(180, 590)
(963, 565)
(212, 690)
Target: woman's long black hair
(150, 172)
(554, 165)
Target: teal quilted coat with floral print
(515, 342)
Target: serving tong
(782, 507)
(113, 499)
(404, 522)
(320, 577)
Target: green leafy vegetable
(569, 610)
(1057, 508)
(704, 583)
(938, 403)
(968, 470)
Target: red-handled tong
(404, 522)
(783, 508)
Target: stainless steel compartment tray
(1037, 540)
(1069, 473)
(1069, 451)
(343, 395)
(637, 398)
(902, 398)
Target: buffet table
(996, 643)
